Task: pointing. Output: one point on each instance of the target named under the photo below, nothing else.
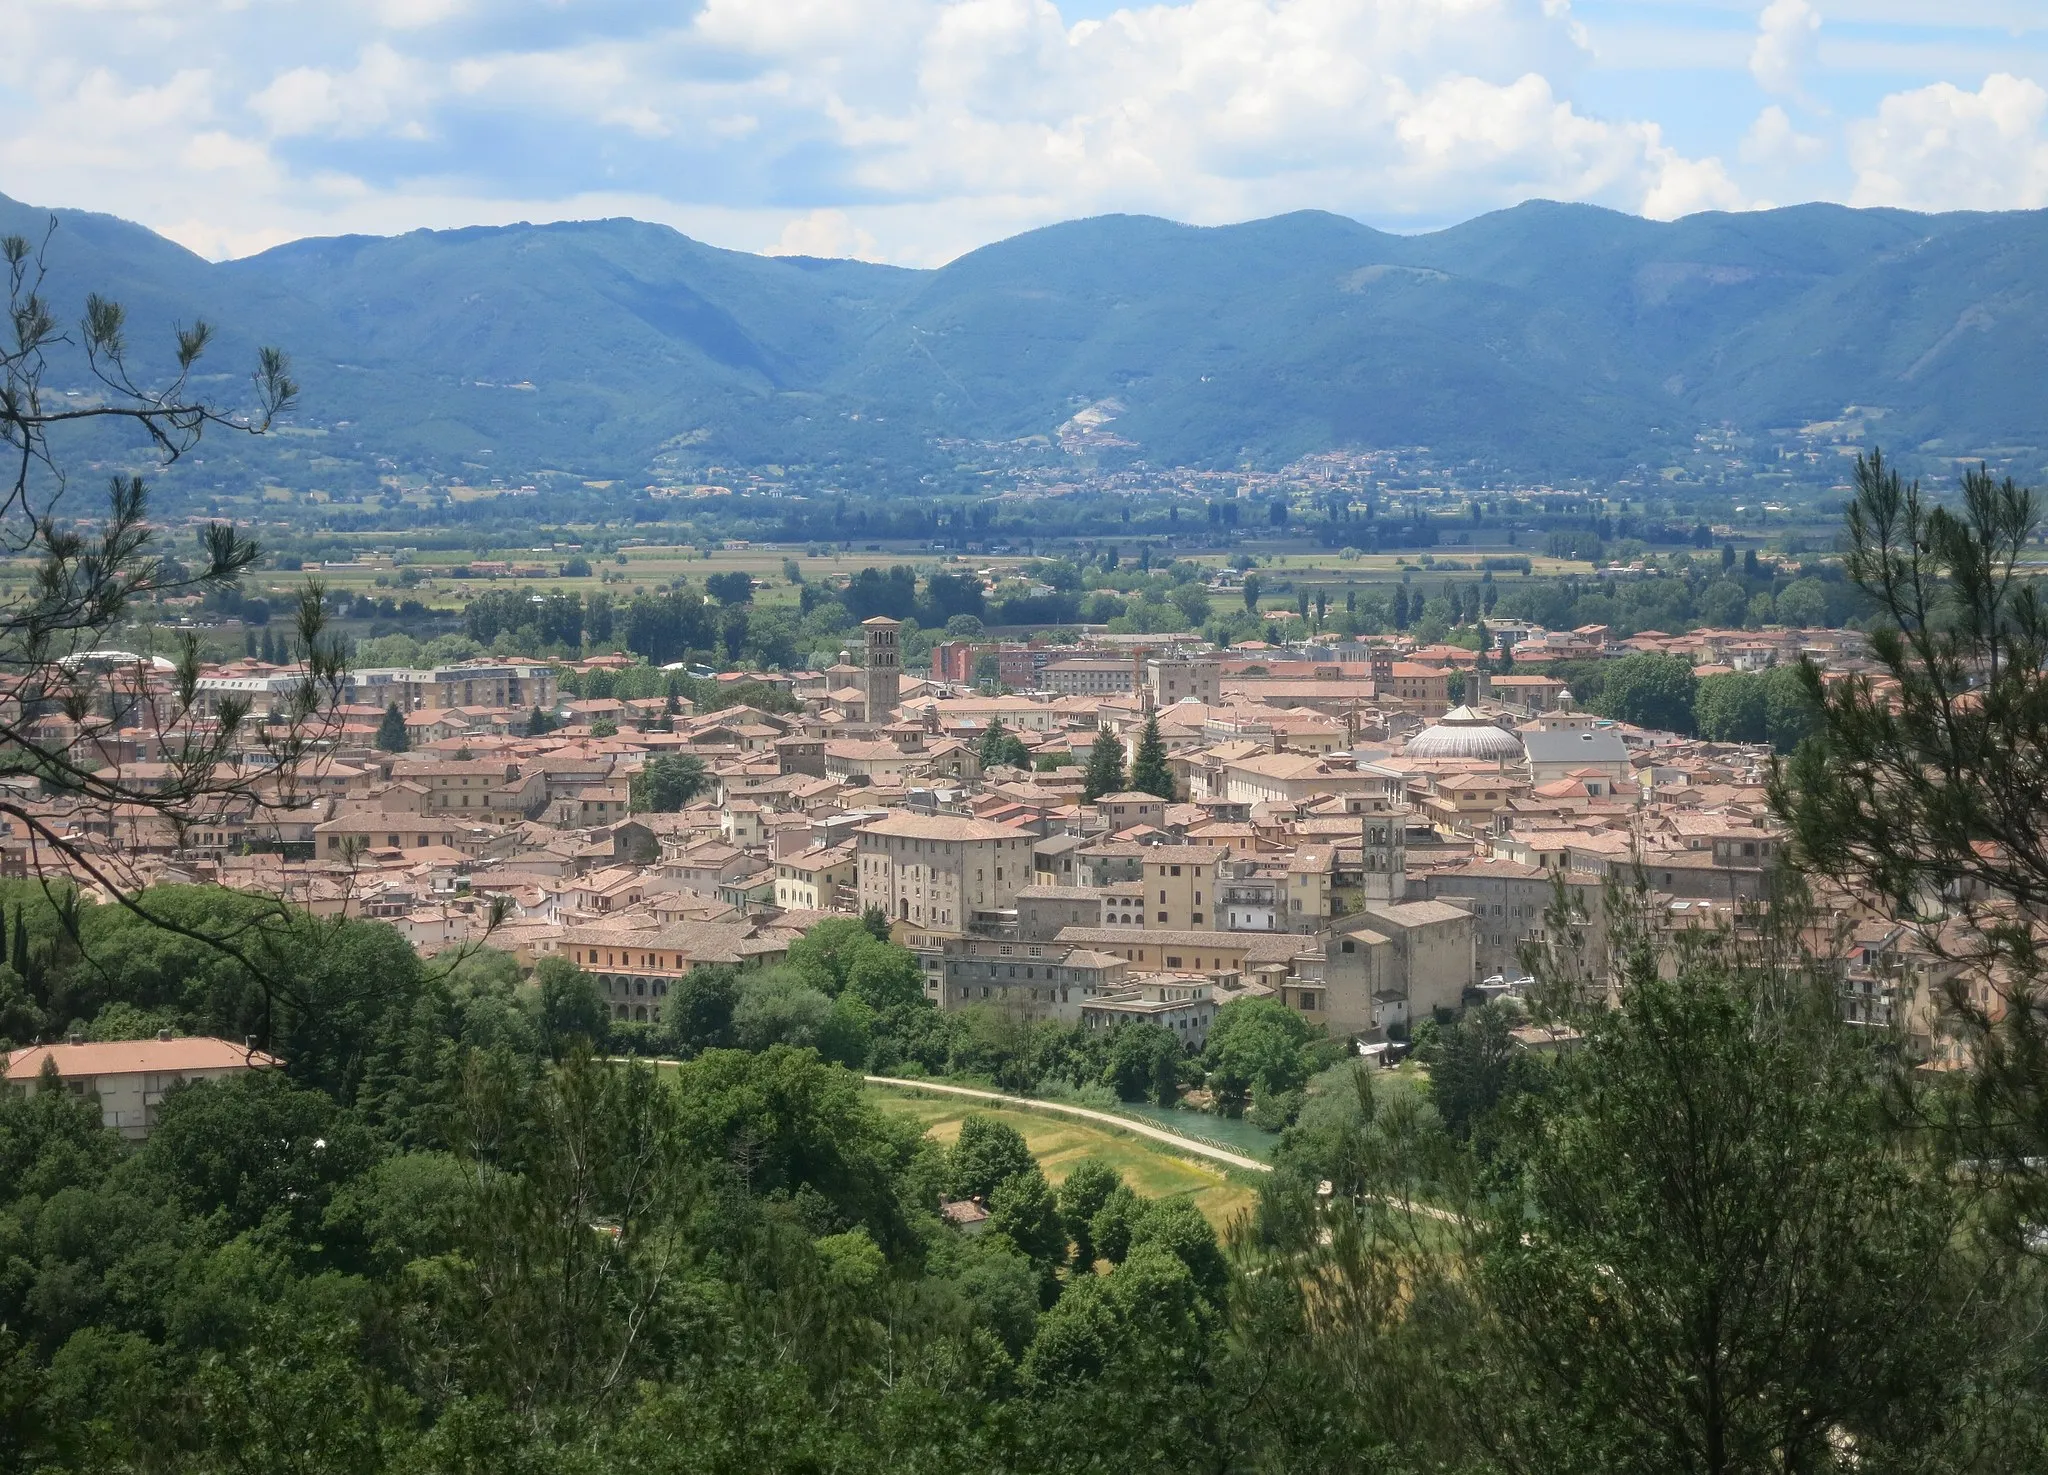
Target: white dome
(1464, 733)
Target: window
(1162, 916)
(1173, 962)
(1350, 946)
(1176, 870)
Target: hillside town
(1371, 833)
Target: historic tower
(885, 667)
(1386, 855)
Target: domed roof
(1464, 733)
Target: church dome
(1464, 733)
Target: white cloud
(1942, 148)
(824, 233)
(366, 99)
(905, 129)
(1773, 142)
(1788, 34)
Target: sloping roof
(135, 1057)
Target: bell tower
(1386, 854)
(884, 677)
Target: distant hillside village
(1342, 834)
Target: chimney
(163, 1036)
(75, 1035)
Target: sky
(915, 130)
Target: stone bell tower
(884, 677)
(1386, 854)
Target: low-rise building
(130, 1078)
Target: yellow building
(1182, 883)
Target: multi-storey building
(1081, 676)
(1181, 884)
(935, 872)
(491, 684)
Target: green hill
(1548, 339)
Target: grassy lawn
(1060, 1142)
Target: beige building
(936, 871)
(1295, 778)
(1087, 676)
(487, 684)
(1391, 964)
(129, 1077)
(1157, 950)
(473, 784)
(1132, 808)
(812, 880)
(1181, 885)
(1175, 681)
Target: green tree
(667, 784)
(1469, 1067)
(1001, 747)
(391, 734)
(987, 1153)
(730, 589)
(1251, 594)
(1925, 793)
(539, 724)
(1804, 603)
(1086, 1188)
(1257, 1047)
(1732, 709)
(1144, 1063)
(1667, 1264)
(568, 1005)
(1024, 1208)
(1177, 1226)
(1790, 712)
(1149, 773)
(1650, 690)
(603, 727)
(697, 1013)
(1105, 774)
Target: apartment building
(484, 684)
(1085, 676)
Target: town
(1372, 832)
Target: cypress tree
(1149, 773)
(991, 751)
(391, 735)
(1105, 767)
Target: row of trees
(1773, 706)
(1148, 773)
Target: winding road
(1109, 1118)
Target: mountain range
(1546, 339)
